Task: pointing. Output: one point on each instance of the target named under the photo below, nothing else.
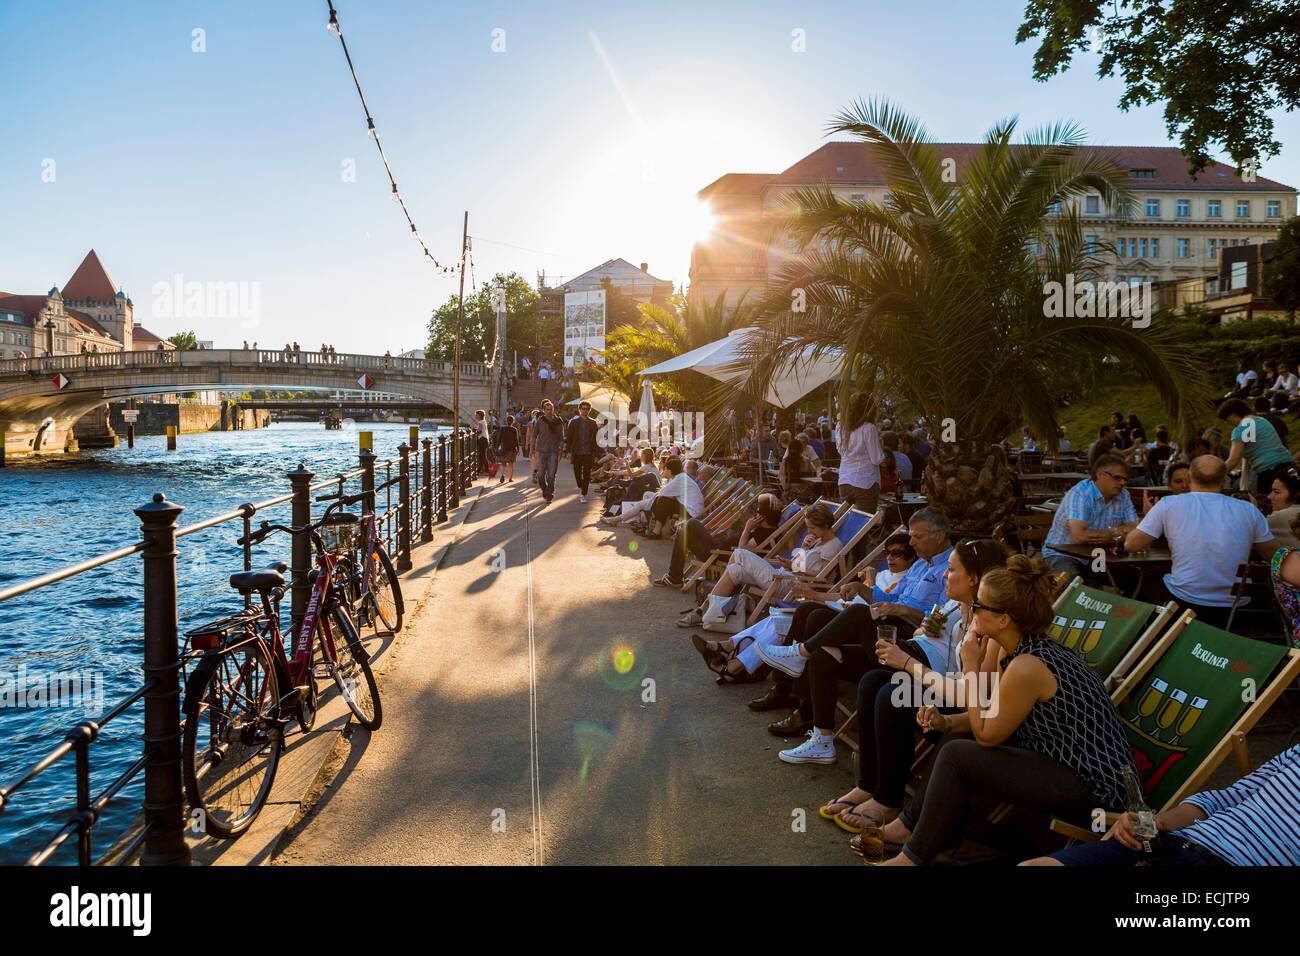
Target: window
(1238, 276)
(1142, 173)
(1133, 248)
(1214, 209)
(1144, 248)
(1213, 246)
(1092, 205)
(1274, 209)
(1155, 248)
(1243, 208)
(1184, 209)
(1153, 208)
(857, 197)
(1054, 208)
(1090, 243)
(1184, 248)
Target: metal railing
(428, 481)
(170, 358)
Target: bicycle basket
(339, 533)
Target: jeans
(547, 462)
(1067, 564)
(1164, 852)
(886, 735)
(692, 537)
(663, 508)
(582, 472)
(965, 767)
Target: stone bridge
(43, 399)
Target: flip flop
(856, 827)
(821, 812)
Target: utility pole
(455, 371)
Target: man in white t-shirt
(1210, 535)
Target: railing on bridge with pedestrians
(277, 359)
(417, 490)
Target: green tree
(184, 341)
(524, 326)
(1282, 272)
(940, 298)
(1221, 67)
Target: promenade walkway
(511, 736)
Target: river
(65, 509)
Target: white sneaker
(785, 658)
(818, 748)
(582, 498)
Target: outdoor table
(904, 506)
(1156, 559)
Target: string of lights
(334, 28)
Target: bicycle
(244, 688)
(370, 580)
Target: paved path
(511, 737)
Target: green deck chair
(1110, 632)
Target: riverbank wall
(188, 417)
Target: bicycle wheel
(352, 673)
(386, 592)
(233, 737)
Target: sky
(573, 133)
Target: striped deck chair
(732, 508)
(851, 527)
(1189, 702)
(785, 537)
(697, 569)
(722, 498)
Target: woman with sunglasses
(1053, 741)
(886, 730)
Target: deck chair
(1254, 605)
(779, 544)
(733, 508)
(850, 527)
(697, 569)
(1183, 709)
(1108, 631)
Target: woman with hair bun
(1050, 740)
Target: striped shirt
(1085, 503)
(1256, 821)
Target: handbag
(725, 615)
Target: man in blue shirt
(1098, 511)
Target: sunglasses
(977, 606)
(1114, 477)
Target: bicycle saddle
(272, 576)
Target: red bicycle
(366, 572)
(245, 688)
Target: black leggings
(965, 767)
(817, 685)
(886, 737)
(664, 508)
(582, 472)
(691, 538)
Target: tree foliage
(1282, 271)
(524, 327)
(184, 341)
(1220, 66)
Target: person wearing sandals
(886, 730)
(747, 568)
(1053, 743)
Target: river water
(65, 509)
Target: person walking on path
(507, 448)
(482, 439)
(548, 438)
(580, 440)
(530, 440)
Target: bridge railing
(276, 358)
(413, 492)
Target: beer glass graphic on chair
(1092, 637)
(1170, 709)
(1074, 633)
(1151, 700)
(1189, 718)
(1056, 631)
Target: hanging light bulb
(396, 196)
(333, 25)
(370, 127)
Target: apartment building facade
(1175, 228)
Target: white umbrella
(649, 417)
(723, 360)
(604, 399)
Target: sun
(702, 222)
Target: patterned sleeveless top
(1288, 595)
(1078, 726)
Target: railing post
(300, 567)
(368, 481)
(456, 450)
(426, 493)
(164, 804)
(404, 508)
(470, 462)
(442, 477)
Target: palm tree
(662, 334)
(937, 296)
